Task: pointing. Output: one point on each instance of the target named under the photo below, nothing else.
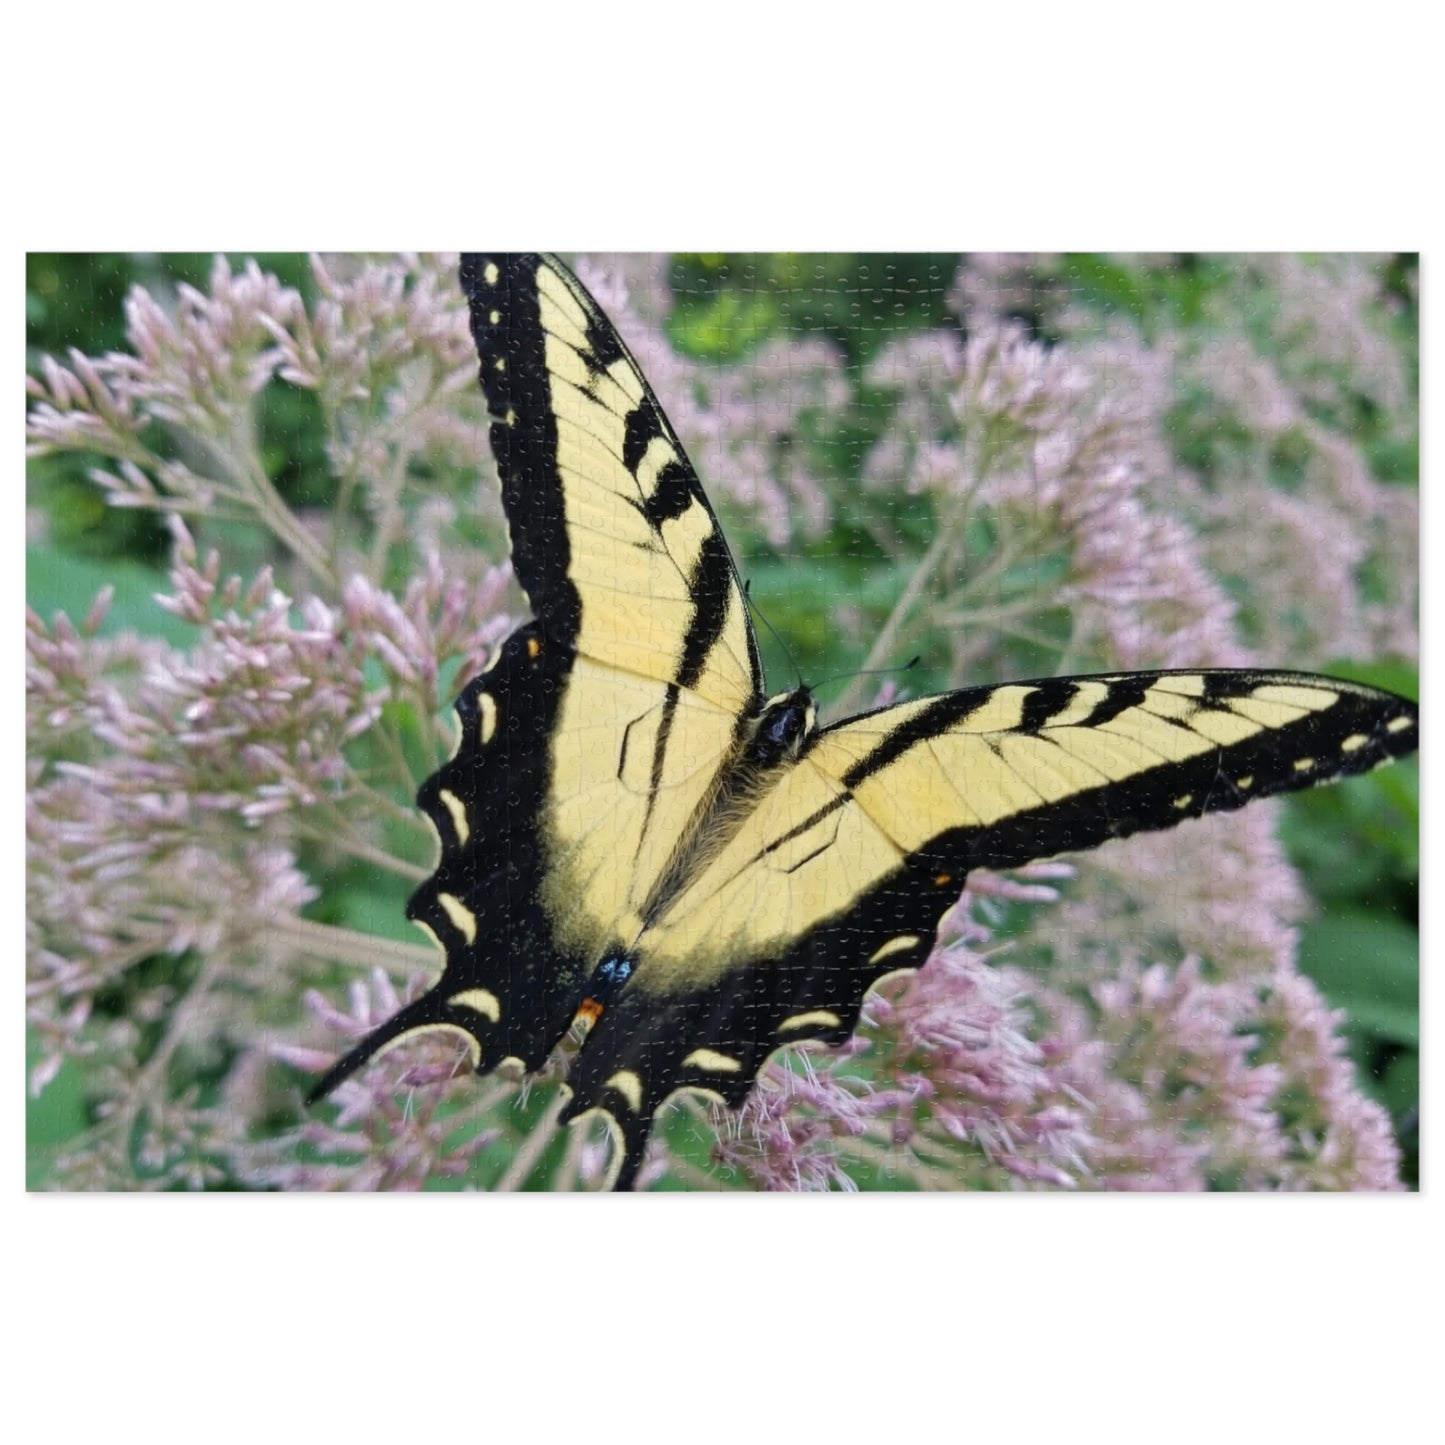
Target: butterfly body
(634, 833)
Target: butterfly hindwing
(710, 1031)
(510, 988)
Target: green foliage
(80, 522)
(59, 1115)
(368, 900)
(1368, 962)
(77, 300)
(293, 446)
(1359, 851)
(726, 305)
(61, 581)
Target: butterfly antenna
(870, 672)
(761, 616)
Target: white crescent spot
(626, 1083)
(458, 811)
(894, 945)
(460, 915)
(713, 1062)
(482, 1000)
(487, 724)
(825, 1018)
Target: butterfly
(637, 836)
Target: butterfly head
(784, 725)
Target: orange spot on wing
(588, 1012)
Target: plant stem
(359, 950)
(531, 1149)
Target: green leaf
(1399, 1089)
(372, 901)
(1359, 843)
(1103, 283)
(59, 582)
(725, 328)
(58, 1115)
(1368, 964)
(1393, 676)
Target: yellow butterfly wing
(599, 731)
